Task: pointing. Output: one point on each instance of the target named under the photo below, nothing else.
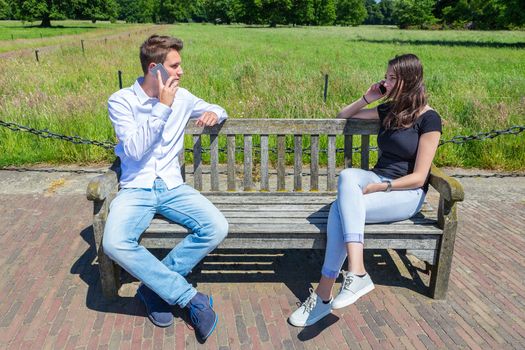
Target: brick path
(50, 296)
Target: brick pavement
(51, 298)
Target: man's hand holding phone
(168, 85)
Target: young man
(149, 119)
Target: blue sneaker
(159, 311)
(202, 316)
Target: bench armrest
(101, 186)
(449, 188)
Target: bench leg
(109, 276)
(440, 274)
(109, 271)
(439, 277)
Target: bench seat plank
(303, 214)
(287, 199)
(301, 241)
(306, 227)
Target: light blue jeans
(352, 209)
(131, 213)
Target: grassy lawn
(15, 35)
(476, 81)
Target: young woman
(393, 190)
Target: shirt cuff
(221, 114)
(161, 111)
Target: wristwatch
(388, 185)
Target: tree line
(457, 14)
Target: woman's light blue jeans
(131, 213)
(352, 209)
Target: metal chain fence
(45, 133)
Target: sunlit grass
(15, 35)
(476, 81)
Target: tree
(224, 11)
(251, 11)
(387, 9)
(350, 12)
(94, 10)
(275, 11)
(302, 12)
(5, 10)
(414, 13)
(458, 14)
(141, 11)
(440, 5)
(46, 10)
(32, 10)
(487, 14)
(324, 12)
(373, 13)
(515, 13)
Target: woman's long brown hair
(408, 96)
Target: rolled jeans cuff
(329, 273)
(354, 237)
(186, 298)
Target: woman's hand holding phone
(375, 92)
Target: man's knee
(115, 248)
(221, 229)
(218, 230)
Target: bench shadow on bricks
(224, 266)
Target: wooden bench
(269, 205)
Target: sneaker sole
(156, 323)
(310, 321)
(362, 292)
(214, 323)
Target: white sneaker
(311, 311)
(353, 288)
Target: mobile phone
(163, 72)
(382, 88)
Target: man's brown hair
(156, 48)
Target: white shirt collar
(141, 95)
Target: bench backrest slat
(258, 176)
(314, 163)
(298, 163)
(330, 179)
(248, 163)
(197, 162)
(231, 162)
(265, 166)
(365, 151)
(348, 150)
(281, 164)
(288, 127)
(214, 161)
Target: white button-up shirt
(151, 134)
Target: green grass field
(476, 81)
(15, 35)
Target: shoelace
(309, 304)
(349, 278)
(194, 308)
